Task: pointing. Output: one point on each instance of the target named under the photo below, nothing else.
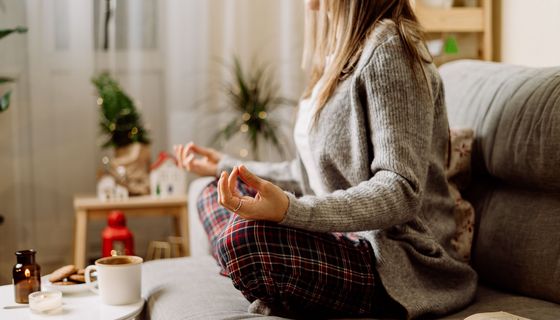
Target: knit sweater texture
(380, 145)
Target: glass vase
(26, 275)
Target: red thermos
(117, 238)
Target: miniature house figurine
(166, 178)
(108, 188)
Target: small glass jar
(26, 275)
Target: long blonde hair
(339, 29)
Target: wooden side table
(92, 208)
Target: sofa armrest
(197, 236)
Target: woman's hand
(270, 203)
(205, 165)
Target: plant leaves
(252, 91)
(7, 32)
(118, 113)
(5, 80)
(5, 101)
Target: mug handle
(90, 284)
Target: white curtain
(167, 54)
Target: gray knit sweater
(380, 146)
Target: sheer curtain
(167, 54)
(201, 34)
(14, 147)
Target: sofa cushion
(517, 243)
(458, 172)
(490, 300)
(515, 113)
(197, 235)
(191, 288)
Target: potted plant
(5, 97)
(122, 126)
(253, 96)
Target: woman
(372, 137)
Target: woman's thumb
(249, 178)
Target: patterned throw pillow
(458, 173)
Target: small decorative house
(108, 189)
(166, 178)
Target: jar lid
(29, 252)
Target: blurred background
(172, 58)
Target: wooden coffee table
(84, 306)
(89, 207)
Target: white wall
(530, 32)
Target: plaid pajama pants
(291, 270)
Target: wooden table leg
(177, 222)
(80, 239)
(184, 229)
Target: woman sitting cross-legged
(360, 222)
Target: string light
(244, 128)
(243, 153)
(133, 132)
(246, 117)
(263, 115)
(99, 101)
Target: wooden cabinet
(462, 21)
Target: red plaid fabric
(295, 271)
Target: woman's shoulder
(384, 33)
(384, 41)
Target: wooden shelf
(451, 20)
(463, 20)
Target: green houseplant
(253, 96)
(5, 97)
(121, 124)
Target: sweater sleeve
(286, 174)
(400, 116)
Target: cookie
(62, 273)
(81, 271)
(64, 283)
(77, 278)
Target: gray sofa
(515, 112)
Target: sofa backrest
(515, 113)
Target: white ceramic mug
(118, 278)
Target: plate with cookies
(67, 279)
